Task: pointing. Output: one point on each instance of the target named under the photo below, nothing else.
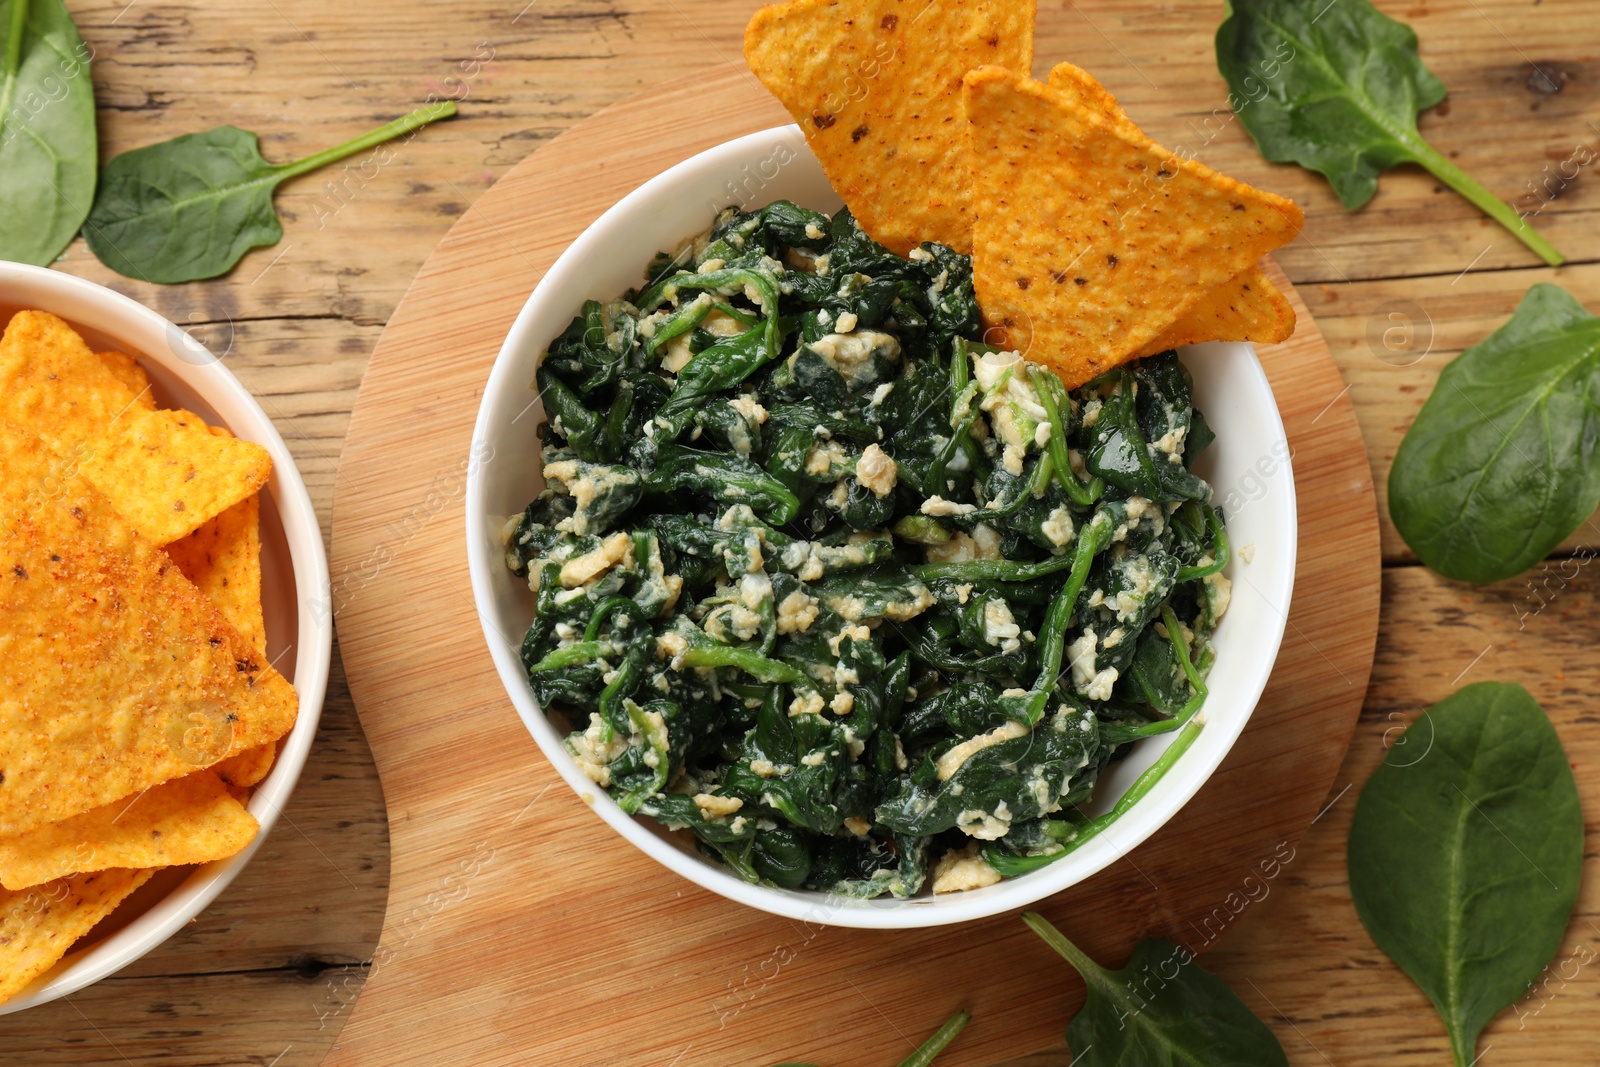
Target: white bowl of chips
(193, 760)
(1248, 465)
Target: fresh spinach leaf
(1336, 88)
(48, 151)
(1161, 1010)
(191, 207)
(1464, 863)
(1503, 461)
(928, 1049)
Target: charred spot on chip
(1081, 281)
(858, 133)
(1238, 207)
(177, 505)
(55, 559)
(824, 121)
(20, 571)
(1111, 260)
(2, 777)
(890, 22)
(246, 666)
(993, 41)
(1023, 283)
(216, 642)
(1058, 276)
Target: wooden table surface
(267, 974)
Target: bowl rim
(805, 905)
(152, 337)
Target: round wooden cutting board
(521, 930)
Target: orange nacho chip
(876, 87)
(1248, 307)
(187, 820)
(116, 673)
(223, 560)
(39, 925)
(163, 470)
(1091, 240)
(1245, 308)
(126, 370)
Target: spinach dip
(863, 603)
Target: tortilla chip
(876, 87)
(1092, 240)
(223, 560)
(191, 819)
(248, 768)
(123, 367)
(38, 926)
(1247, 307)
(116, 673)
(163, 470)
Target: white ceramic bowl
(294, 588)
(1248, 465)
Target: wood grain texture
(506, 890)
(303, 317)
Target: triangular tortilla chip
(223, 560)
(164, 470)
(1091, 240)
(116, 673)
(1247, 307)
(187, 820)
(126, 370)
(876, 87)
(39, 925)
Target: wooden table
(266, 975)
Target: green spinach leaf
(1336, 88)
(1464, 863)
(191, 207)
(1161, 1010)
(1503, 461)
(48, 151)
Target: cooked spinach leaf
(1503, 461)
(840, 590)
(1336, 88)
(48, 150)
(1464, 862)
(1161, 1010)
(191, 207)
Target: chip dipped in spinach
(864, 604)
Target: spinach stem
(1046, 386)
(1221, 548)
(767, 670)
(1180, 645)
(1491, 205)
(387, 132)
(1056, 940)
(572, 656)
(937, 1043)
(19, 26)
